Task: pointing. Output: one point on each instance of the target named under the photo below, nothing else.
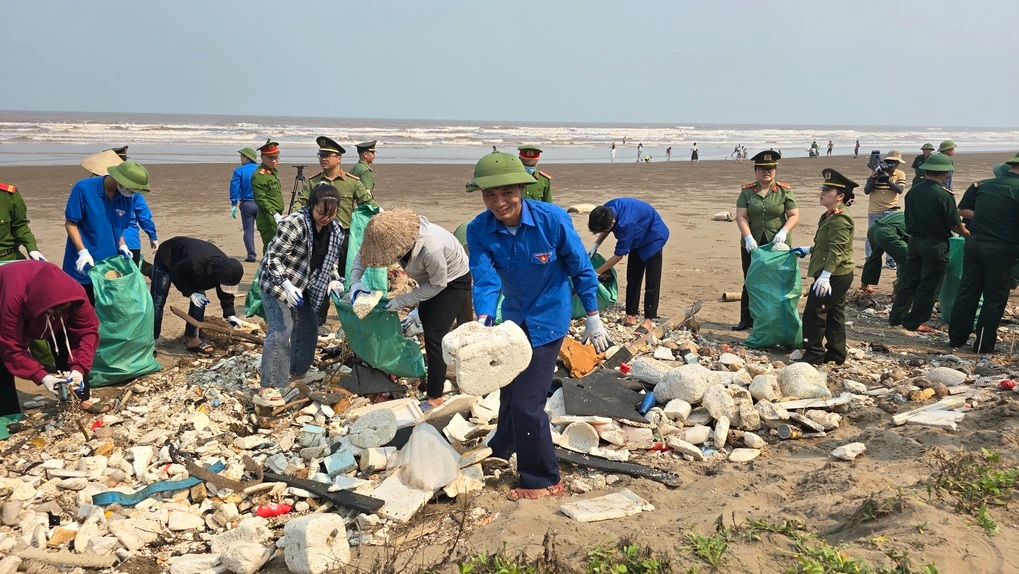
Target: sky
(855, 62)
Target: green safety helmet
(498, 169)
(938, 162)
(131, 175)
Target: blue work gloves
(336, 288)
(801, 251)
(357, 289)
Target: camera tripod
(298, 184)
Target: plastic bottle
(275, 509)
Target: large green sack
(608, 292)
(126, 315)
(379, 341)
(953, 278)
(774, 286)
(253, 302)
(374, 278)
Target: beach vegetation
(975, 482)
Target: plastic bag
(378, 340)
(374, 278)
(427, 461)
(126, 317)
(774, 286)
(608, 292)
(953, 278)
(253, 302)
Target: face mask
(124, 191)
(530, 169)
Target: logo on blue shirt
(542, 258)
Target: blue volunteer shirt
(240, 183)
(531, 269)
(638, 227)
(141, 216)
(101, 222)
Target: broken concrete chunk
(721, 434)
(677, 409)
(608, 507)
(664, 354)
(316, 544)
(731, 361)
(192, 563)
(803, 381)
(680, 446)
(754, 441)
(946, 376)
(402, 500)
(744, 454)
(719, 402)
(648, 370)
(486, 358)
(243, 557)
(688, 382)
(849, 451)
(374, 429)
(765, 387)
(697, 434)
(181, 520)
(854, 386)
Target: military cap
(270, 147)
(946, 145)
(938, 162)
(840, 182)
(929, 146)
(1013, 161)
(529, 151)
(1000, 169)
(329, 144)
(248, 153)
(767, 158)
(366, 146)
(131, 175)
(121, 151)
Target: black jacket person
(194, 266)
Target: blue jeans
(289, 347)
(160, 289)
(871, 218)
(248, 211)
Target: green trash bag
(774, 286)
(374, 278)
(124, 308)
(379, 341)
(953, 278)
(608, 292)
(253, 301)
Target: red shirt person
(39, 301)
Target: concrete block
(849, 451)
(316, 544)
(340, 462)
(616, 505)
(193, 563)
(744, 454)
(649, 370)
(375, 459)
(374, 429)
(181, 520)
(407, 411)
(765, 387)
(803, 381)
(677, 409)
(401, 501)
(938, 419)
(688, 382)
(486, 358)
(243, 558)
(310, 435)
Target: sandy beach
(795, 479)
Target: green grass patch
(975, 481)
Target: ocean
(63, 138)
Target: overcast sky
(855, 62)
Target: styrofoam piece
(617, 505)
(401, 501)
(486, 358)
(579, 437)
(407, 411)
(570, 419)
(374, 429)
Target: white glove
(198, 299)
(749, 243)
(84, 260)
(357, 289)
(483, 319)
(125, 252)
(336, 287)
(77, 380)
(822, 285)
(595, 332)
(802, 251)
(780, 237)
(593, 250)
(36, 256)
(234, 321)
(394, 305)
(51, 382)
(277, 217)
(295, 297)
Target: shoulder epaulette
(8, 188)
(264, 171)
(784, 185)
(545, 174)
(748, 185)
(319, 174)
(353, 176)
(836, 211)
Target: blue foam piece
(131, 499)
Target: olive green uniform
(14, 230)
(265, 186)
(766, 214)
(918, 174)
(352, 194)
(886, 235)
(824, 318)
(989, 264)
(363, 171)
(930, 216)
(540, 190)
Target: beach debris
(315, 544)
(366, 302)
(723, 216)
(744, 454)
(581, 208)
(849, 451)
(486, 358)
(616, 505)
(946, 376)
(802, 380)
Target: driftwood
(229, 332)
(624, 355)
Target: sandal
(926, 329)
(202, 348)
(556, 490)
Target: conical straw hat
(97, 164)
(389, 236)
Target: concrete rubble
(713, 404)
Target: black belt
(8, 252)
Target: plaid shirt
(288, 256)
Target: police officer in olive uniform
(268, 193)
(541, 189)
(991, 255)
(931, 216)
(886, 235)
(14, 231)
(831, 266)
(363, 168)
(765, 213)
